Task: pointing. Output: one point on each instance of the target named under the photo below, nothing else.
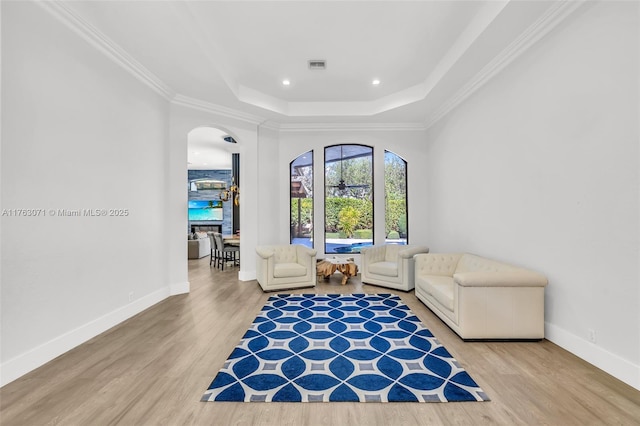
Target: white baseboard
(246, 275)
(619, 368)
(40, 355)
(180, 288)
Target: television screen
(205, 210)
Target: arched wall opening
(182, 121)
(213, 169)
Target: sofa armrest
(265, 252)
(412, 251)
(306, 257)
(514, 278)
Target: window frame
(312, 168)
(373, 221)
(406, 194)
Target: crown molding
(100, 41)
(553, 16)
(117, 54)
(556, 13)
(270, 125)
(355, 127)
(212, 108)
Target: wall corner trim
(179, 288)
(22, 364)
(247, 275)
(618, 367)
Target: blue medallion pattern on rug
(356, 347)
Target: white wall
(407, 143)
(270, 209)
(78, 132)
(540, 168)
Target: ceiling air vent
(317, 64)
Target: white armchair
(390, 265)
(285, 266)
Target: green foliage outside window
(396, 216)
(305, 226)
(333, 206)
(395, 187)
(348, 219)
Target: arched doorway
(213, 171)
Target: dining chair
(214, 250)
(226, 252)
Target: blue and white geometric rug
(356, 347)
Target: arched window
(395, 194)
(301, 199)
(348, 205)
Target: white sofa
(285, 266)
(481, 298)
(199, 247)
(390, 265)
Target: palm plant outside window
(348, 198)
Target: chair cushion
(388, 269)
(441, 288)
(284, 270)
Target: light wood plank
(153, 369)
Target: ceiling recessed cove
(317, 64)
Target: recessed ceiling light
(375, 82)
(286, 82)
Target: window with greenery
(348, 203)
(395, 193)
(301, 202)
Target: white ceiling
(207, 149)
(233, 55)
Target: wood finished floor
(153, 369)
